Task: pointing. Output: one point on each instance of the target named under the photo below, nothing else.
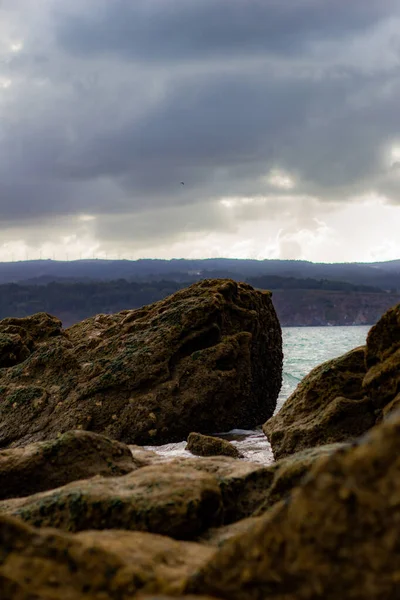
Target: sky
(280, 117)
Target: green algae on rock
(207, 358)
(180, 503)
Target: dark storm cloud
(112, 104)
(187, 29)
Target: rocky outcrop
(382, 381)
(344, 397)
(206, 445)
(181, 503)
(74, 455)
(329, 405)
(112, 565)
(209, 357)
(336, 535)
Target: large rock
(208, 358)
(343, 397)
(382, 381)
(328, 406)
(207, 445)
(74, 455)
(111, 565)
(181, 503)
(335, 536)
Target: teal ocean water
(304, 348)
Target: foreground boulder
(250, 488)
(207, 358)
(111, 565)
(74, 455)
(206, 445)
(329, 405)
(336, 536)
(180, 503)
(344, 397)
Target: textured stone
(181, 503)
(328, 406)
(382, 380)
(74, 455)
(107, 565)
(208, 358)
(343, 397)
(206, 445)
(335, 536)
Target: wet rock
(209, 357)
(181, 503)
(336, 536)
(74, 455)
(206, 445)
(328, 406)
(111, 565)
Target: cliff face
(317, 307)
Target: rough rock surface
(382, 381)
(207, 445)
(289, 472)
(250, 488)
(74, 455)
(181, 503)
(328, 406)
(344, 397)
(336, 536)
(111, 565)
(209, 357)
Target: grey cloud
(186, 29)
(85, 132)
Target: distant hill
(384, 275)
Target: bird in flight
(182, 183)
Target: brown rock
(111, 565)
(328, 406)
(74, 455)
(208, 357)
(289, 473)
(343, 397)
(336, 536)
(206, 445)
(218, 536)
(243, 484)
(181, 503)
(382, 380)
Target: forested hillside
(297, 301)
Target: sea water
(304, 348)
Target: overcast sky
(281, 117)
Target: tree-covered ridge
(333, 302)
